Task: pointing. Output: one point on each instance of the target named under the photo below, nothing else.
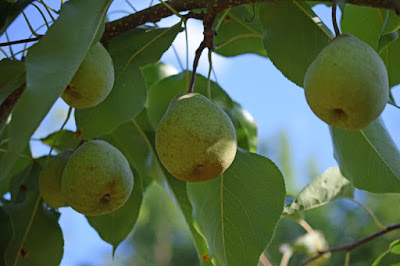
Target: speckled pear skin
(50, 180)
(93, 80)
(195, 140)
(97, 179)
(347, 84)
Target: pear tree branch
(358, 243)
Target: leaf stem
(370, 213)
(209, 74)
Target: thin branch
(20, 41)
(353, 245)
(157, 12)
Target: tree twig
(20, 41)
(157, 12)
(353, 245)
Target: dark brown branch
(157, 12)
(358, 243)
(20, 41)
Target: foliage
(232, 219)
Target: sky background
(277, 105)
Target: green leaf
(386, 40)
(61, 140)
(116, 226)
(25, 182)
(329, 186)
(23, 160)
(137, 135)
(394, 245)
(12, 76)
(293, 37)
(396, 248)
(156, 72)
(9, 11)
(392, 22)
(238, 211)
(368, 158)
(145, 45)
(238, 33)
(126, 100)
(365, 23)
(246, 128)
(161, 94)
(391, 56)
(136, 47)
(35, 228)
(50, 65)
(6, 233)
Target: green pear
(93, 80)
(347, 84)
(50, 180)
(195, 140)
(97, 179)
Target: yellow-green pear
(195, 140)
(347, 83)
(97, 179)
(50, 180)
(93, 80)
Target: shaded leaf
(156, 72)
(237, 33)
(391, 56)
(246, 128)
(50, 65)
(35, 228)
(43, 233)
(368, 158)
(9, 11)
(145, 45)
(115, 227)
(329, 186)
(129, 50)
(387, 39)
(23, 160)
(238, 211)
(6, 233)
(392, 22)
(162, 93)
(12, 76)
(385, 256)
(126, 100)
(365, 23)
(293, 37)
(61, 140)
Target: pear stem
(335, 25)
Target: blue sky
(275, 103)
